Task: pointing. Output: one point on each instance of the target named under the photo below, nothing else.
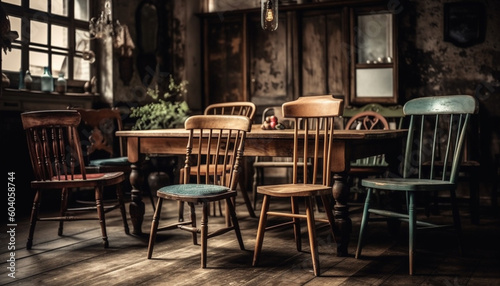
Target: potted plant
(166, 110)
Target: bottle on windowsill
(28, 80)
(46, 79)
(61, 84)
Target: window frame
(26, 14)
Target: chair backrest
(99, 127)
(215, 145)
(318, 115)
(244, 108)
(54, 144)
(393, 113)
(367, 120)
(436, 134)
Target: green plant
(167, 110)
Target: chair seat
(193, 190)
(294, 190)
(118, 161)
(95, 179)
(402, 184)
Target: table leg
(136, 207)
(343, 222)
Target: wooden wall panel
(314, 58)
(224, 65)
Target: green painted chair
(436, 133)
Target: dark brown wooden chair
(213, 155)
(243, 108)
(369, 166)
(317, 115)
(57, 161)
(104, 150)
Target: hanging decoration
(269, 14)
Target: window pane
(39, 5)
(82, 10)
(15, 2)
(82, 40)
(38, 32)
(15, 25)
(59, 36)
(60, 7)
(374, 82)
(59, 64)
(37, 62)
(12, 60)
(81, 70)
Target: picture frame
(464, 23)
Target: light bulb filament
(269, 12)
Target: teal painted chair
(436, 135)
(210, 174)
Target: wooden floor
(78, 257)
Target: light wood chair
(57, 160)
(437, 132)
(261, 164)
(215, 145)
(242, 108)
(319, 112)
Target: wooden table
(348, 145)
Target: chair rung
(67, 218)
(220, 231)
(279, 225)
(404, 217)
(303, 216)
(189, 228)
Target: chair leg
(119, 195)
(254, 187)
(296, 224)
(154, 227)
(33, 219)
(329, 214)
(456, 220)
(412, 222)
(311, 229)
(204, 233)
(261, 230)
(180, 206)
(64, 208)
(234, 219)
(100, 214)
(193, 221)
(364, 222)
(248, 204)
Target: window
(52, 33)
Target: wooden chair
(261, 164)
(57, 161)
(370, 166)
(243, 108)
(221, 139)
(321, 112)
(437, 131)
(104, 150)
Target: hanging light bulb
(269, 15)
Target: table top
(258, 132)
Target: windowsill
(28, 100)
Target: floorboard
(78, 257)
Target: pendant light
(269, 14)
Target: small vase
(47, 82)
(61, 84)
(28, 80)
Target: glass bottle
(21, 79)
(46, 79)
(61, 84)
(28, 80)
